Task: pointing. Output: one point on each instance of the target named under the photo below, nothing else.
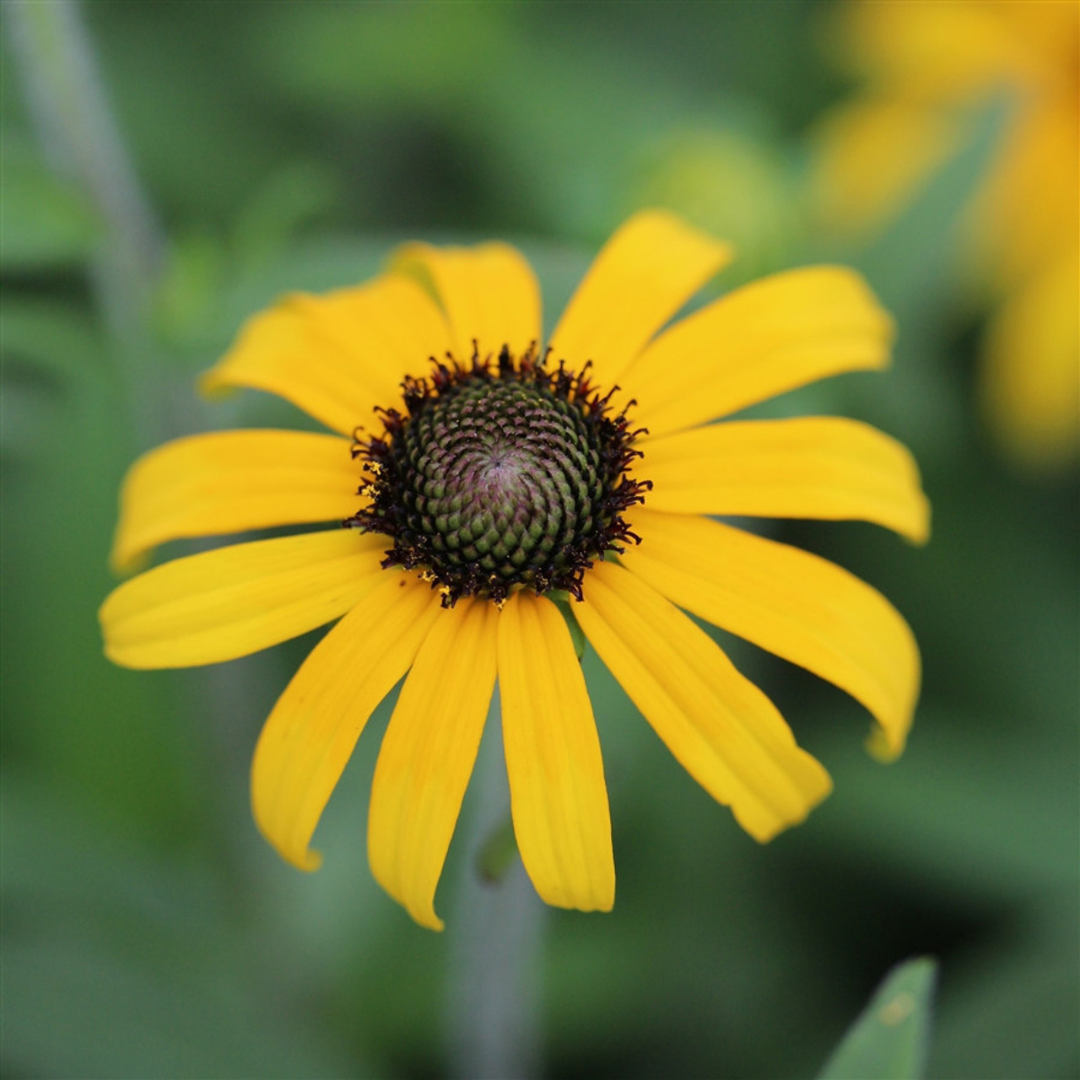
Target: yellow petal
(337, 356)
(489, 294)
(721, 728)
(766, 338)
(236, 600)
(649, 268)
(558, 796)
(308, 738)
(792, 603)
(812, 467)
(229, 481)
(428, 754)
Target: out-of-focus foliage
(890, 1038)
(148, 930)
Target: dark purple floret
(500, 474)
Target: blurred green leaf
(889, 1040)
(412, 54)
(45, 224)
(990, 815)
(121, 962)
(1011, 1010)
(293, 197)
(54, 337)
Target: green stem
(495, 937)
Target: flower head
(480, 477)
(928, 70)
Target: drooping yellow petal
(557, 792)
(721, 728)
(236, 600)
(644, 274)
(765, 338)
(337, 356)
(489, 294)
(811, 467)
(310, 735)
(428, 753)
(792, 603)
(229, 481)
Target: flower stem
(495, 939)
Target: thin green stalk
(496, 931)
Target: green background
(148, 930)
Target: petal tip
(213, 385)
(885, 746)
(127, 559)
(427, 918)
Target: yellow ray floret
(648, 269)
(761, 340)
(336, 356)
(428, 754)
(237, 600)
(557, 790)
(231, 481)
(790, 602)
(489, 294)
(721, 728)
(811, 467)
(309, 737)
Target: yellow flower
(503, 479)
(928, 69)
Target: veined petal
(557, 792)
(649, 268)
(811, 467)
(721, 728)
(765, 338)
(229, 481)
(236, 600)
(309, 737)
(489, 294)
(792, 603)
(337, 356)
(428, 753)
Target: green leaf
(45, 224)
(888, 1041)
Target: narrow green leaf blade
(889, 1040)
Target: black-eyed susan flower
(928, 70)
(478, 478)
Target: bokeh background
(148, 930)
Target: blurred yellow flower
(928, 68)
(489, 488)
